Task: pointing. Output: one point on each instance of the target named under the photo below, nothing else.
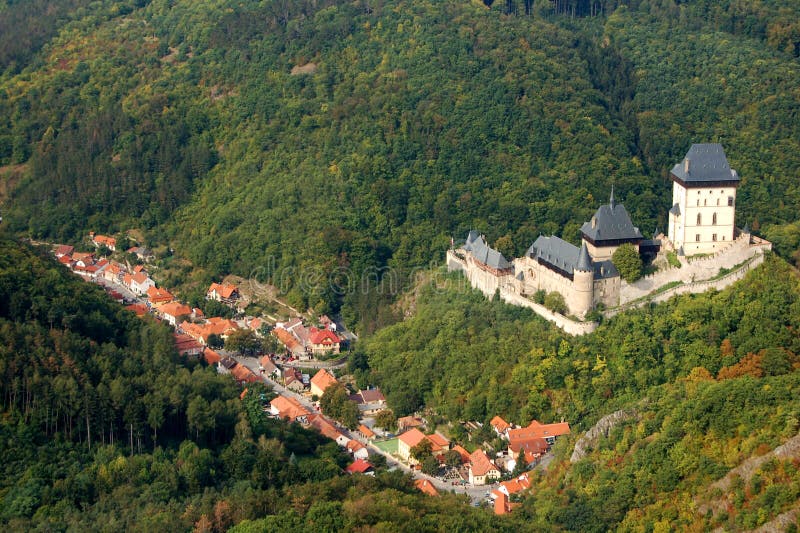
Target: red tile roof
(359, 466)
(438, 443)
(499, 424)
(288, 340)
(139, 309)
(242, 373)
(538, 430)
(426, 486)
(481, 463)
(111, 242)
(462, 452)
(364, 430)
(211, 357)
(289, 407)
(408, 422)
(323, 379)
(354, 446)
(63, 249)
(157, 295)
(324, 426)
(224, 291)
(175, 309)
(185, 344)
(323, 336)
(412, 437)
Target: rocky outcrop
(601, 429)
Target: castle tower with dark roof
(703, 211)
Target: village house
(225, 365)
(114, 272)
(426, 486)
(138, 283)
(244, 375)
(407, 422)
(173, 312)
(293, 380)
(482, 468)
(358, 450)
(406, 441)
(292, 345)
(211, 357)
(499, 425)
(534, 430)
(103, 240)
(159, 296)
(187, 346)
(533, 450)
(141, 253)
(83, 259)
(360, 466)
(369, 401)
(269, 369)
(227, 294)
(322, 341)
(92, 270)
(321, 381)
(328, 429)
(139, 309)
(365, 432)
(220, 327)
(289, 409)
(63, 250)
(502, 494)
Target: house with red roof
(187, 346)
(408, 440)
(327, 428)
(224, 293)
(357, 450)
(360, 466)
(173, 312)
(244, 375)
(138, 283)
(288, 408)
(322, 341)
(534, 449)
(408, 422)
(426, 486)
(321, 381)
(365, 432)
(536, 429)
(100, 240)
(499, 425)
(462, 452)
(211, 357)
(220, 327)
(139, 309)
(83, 259)
(289, 341)
(63, 250)
(293, 380)
(269, 369)
(159, 296)
(482, 468)
(114, 272)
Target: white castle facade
(701, 221)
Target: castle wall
(606, 291)
(538, 277)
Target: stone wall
(692, 287)
(695, 269)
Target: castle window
(705, 202)
(699, 219)
(697, 237)
(698, 203)
(730, 201)
(714, 237)
(714, 219)
(717, 201)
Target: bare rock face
(601, 429)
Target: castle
(701, 221)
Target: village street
(476, 494)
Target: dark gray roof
(584, 261)
(556, 252)
(706, 162)
(605, 269)
(676, 210)
(611, 222)
(483, 253)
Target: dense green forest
(301, 142)
(105, 428)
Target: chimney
(686, 165)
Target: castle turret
(583, 279)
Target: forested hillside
(105, 428)
(292, 140)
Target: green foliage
(385, 419)
(627, 260)
(555, 302)
(336, 404)
(672, 259)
